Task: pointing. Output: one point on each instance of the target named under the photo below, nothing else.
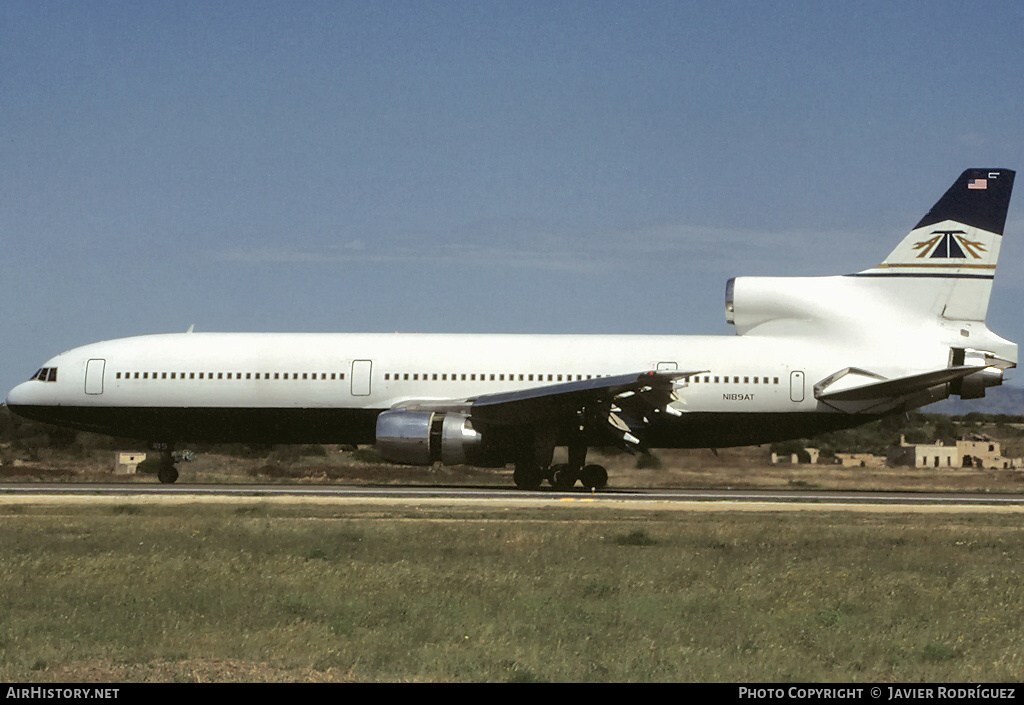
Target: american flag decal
(978, 184)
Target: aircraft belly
(716, 429)
(216, 424)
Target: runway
(679, 499)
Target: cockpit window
(46, 374)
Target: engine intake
(426, 437)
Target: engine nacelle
(973, 386)
(426, 437)
(756, 301)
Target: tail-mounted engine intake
(753, 301)
(426, 437)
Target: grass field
(261, 591)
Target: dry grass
(256, 592)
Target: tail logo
(949, 244)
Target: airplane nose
(20, 396)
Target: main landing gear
(529, 474)
(561, 476)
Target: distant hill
(997, 400)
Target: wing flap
(535, 404)
(539, 403)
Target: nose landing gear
(166, 472)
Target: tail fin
(952, 252)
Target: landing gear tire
(594, 477)
(562, 477)
(168, 474)
(527, 477)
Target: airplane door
(94, 376)
(796, 385)
(361, 377)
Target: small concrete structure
(982, 452)
(924, 455)
(812, 457)
(972, 452)
(860, 460)
(126, 463)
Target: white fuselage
(104, 386)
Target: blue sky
(476, 167)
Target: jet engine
(755, 301)
(973, 386)
(426, 437)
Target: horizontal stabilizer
(894, 388)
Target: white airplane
(810, 355)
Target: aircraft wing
(625, 401)
(888, 388)
(655, 390)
